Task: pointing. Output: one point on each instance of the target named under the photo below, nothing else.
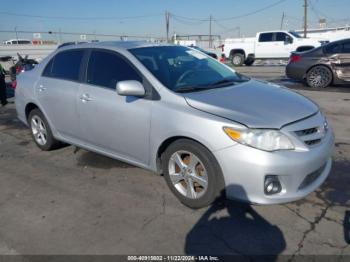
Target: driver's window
(107, 68)
(281, 37)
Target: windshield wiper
(185, 89)
(223, 82)
(197, 88)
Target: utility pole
(282, 21)
(167, 22)
(210, 40)
(16, 34)
(305, 18)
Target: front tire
(41, 131)
(237, 59)
(249, 61)
(319, 77)
(192, 173)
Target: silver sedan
(181, 113)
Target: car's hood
(254, 103)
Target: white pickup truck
(266, 45)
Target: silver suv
(181, 113)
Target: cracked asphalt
(71, 201)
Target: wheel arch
(237, 51)
(165, 144)
(30, 106)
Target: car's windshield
(182, 69)
(295, 34)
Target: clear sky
(93, 16)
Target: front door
(338, 55)
(343, 62)
(116, 124)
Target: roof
(116, 45)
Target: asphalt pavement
(71, 201)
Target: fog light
(272, 185)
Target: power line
(233, 17)
(253, 12)
(80, 18)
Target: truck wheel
(237, 59)
(249, 62)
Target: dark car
(322, 66)
(213, 55)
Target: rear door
(264, 46)
(109, 122)
(57, 91)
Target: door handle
(41, 88)
(85, 98)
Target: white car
(17, 42)
(266, 45)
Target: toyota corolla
(181, 113)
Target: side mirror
(130, 88)
(288, 40)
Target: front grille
(312, 177)
(306, 132)
(312, 136)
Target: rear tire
(192, 173)
(237, 59)
(41, 131)
(319, 77)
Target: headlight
(264, 139)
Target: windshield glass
(182, 69)
(295, 34)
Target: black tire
(319, 77)
(249, 61)
(215, 181)
(51, 142)
(237, 59)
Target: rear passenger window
(333, 48)
(346, 47)
(265, 37)
(106, 69)
(47, 70)
(66, 65)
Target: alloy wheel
(39, 130)
(188, 174)
(319, 77)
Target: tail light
(14, 84)
(19, 69)
(294, 58)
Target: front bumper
(245, 168)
